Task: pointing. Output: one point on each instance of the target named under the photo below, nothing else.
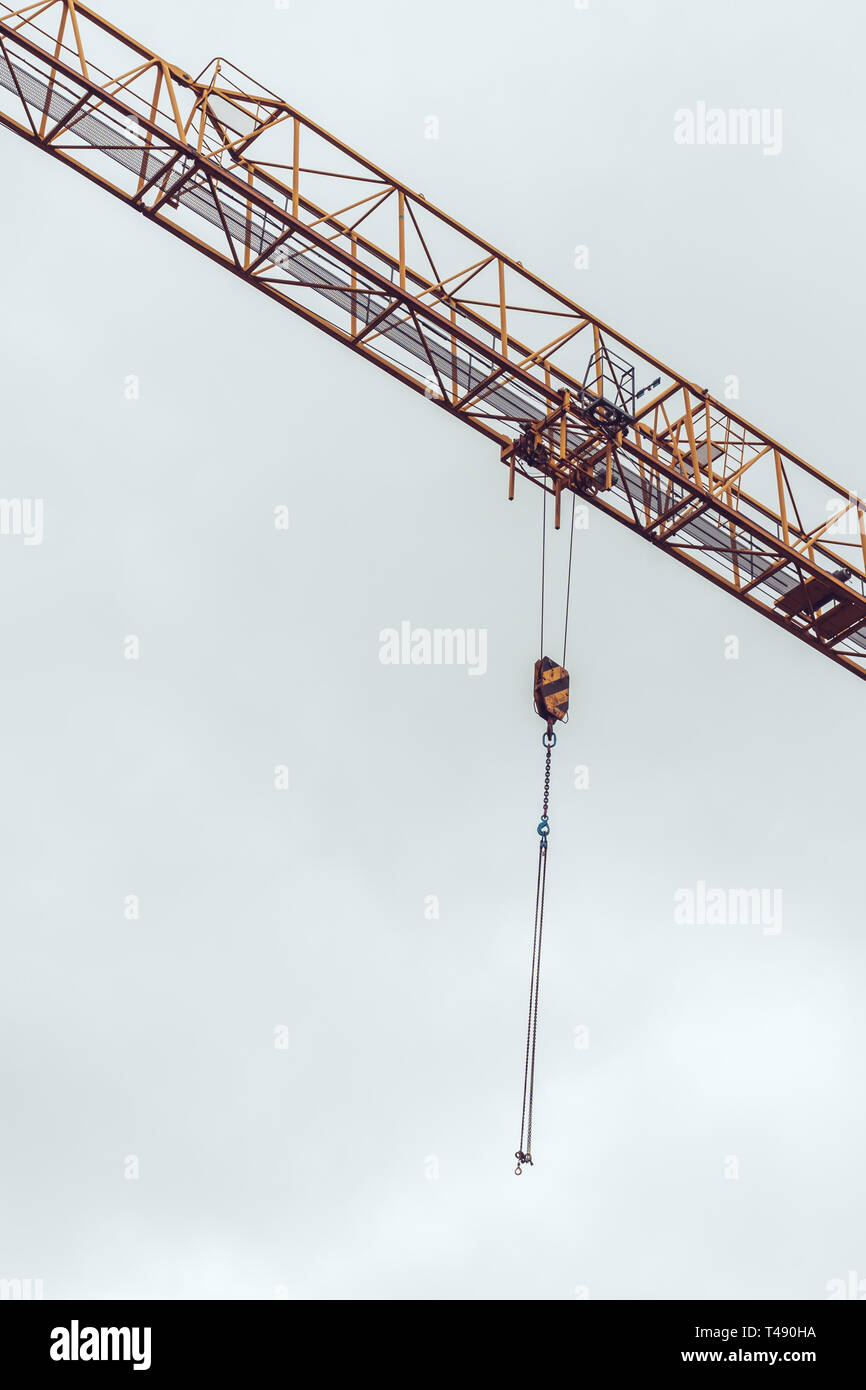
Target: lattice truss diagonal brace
(236, 172)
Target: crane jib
(235, 171)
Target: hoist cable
(568, 584)
(540, 912)
(524, 1153)
(544, 570)
(543, 558)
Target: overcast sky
(709, 1140)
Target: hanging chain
(524, 1153)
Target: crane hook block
(550, 690)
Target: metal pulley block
(550, 690)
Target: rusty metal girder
(243, 177)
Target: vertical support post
(354, 246)
(148, 139)
(710, 478)
(70, 7)
(401, 217)
(780, 487)
(455, 382)
(58, 49)
(296, 166)
(169, 85)
(733, 530)
(563, 426)
(248, 225)
(510, 470)
(693, 447)
(503, 311)
(599, 373)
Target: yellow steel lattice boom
(571, 404)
